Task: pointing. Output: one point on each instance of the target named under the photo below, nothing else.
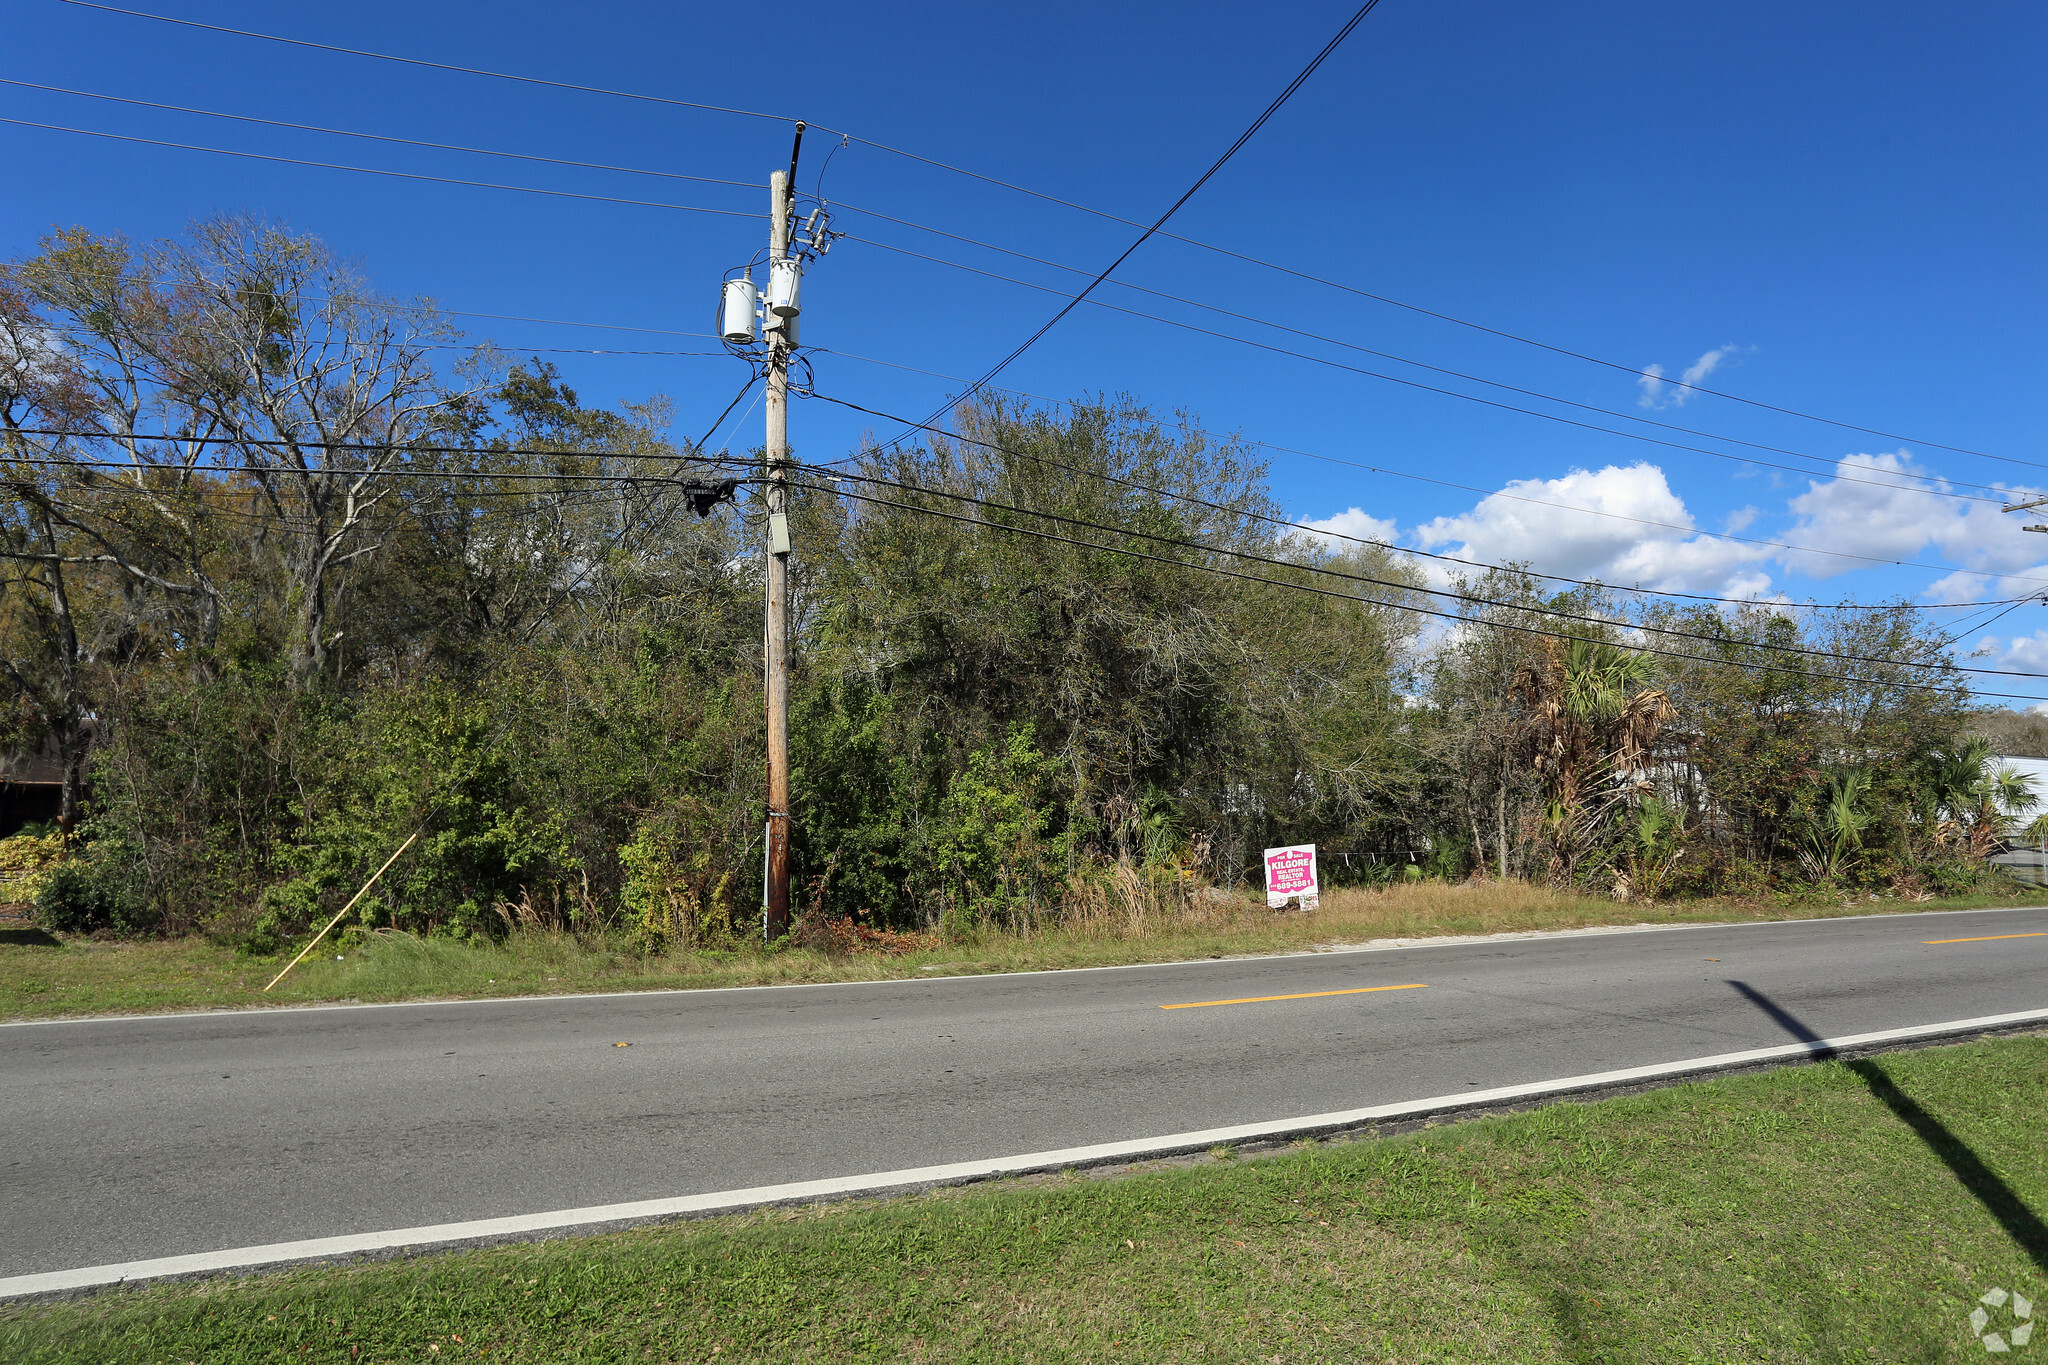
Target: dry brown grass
(1124, 906)
(1111, 919)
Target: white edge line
(1401, 946)
(959, 1172)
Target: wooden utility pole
(776, 489)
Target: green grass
(1791, 1216)
(43, 977)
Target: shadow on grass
(28, 937)
(2021, 1223)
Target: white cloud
(1880, 507)
(1652, 382)
(2028, 653)
(1894, 511)
(1958, 587)
(1515, 525)
(1963, 586)
(1697, 372)
(1351, 523)
(1652, 379)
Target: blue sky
(1842, 204)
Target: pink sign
(1291, 871)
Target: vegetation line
(351, 571)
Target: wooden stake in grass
(346, 908)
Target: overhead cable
(374, 170)
(1419, 610)
(402, 447)
(440, 66)
(954, 236)
(1437, 389)
(1470, 598)
(382, 137)
(1313, 336)
(1303, 528)
(522, 475)
(1635, 371)
(1242, 138)
(1513, 497)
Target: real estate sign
(1291, 871)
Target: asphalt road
(136, 1138)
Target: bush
(104, 890)
(25, 862)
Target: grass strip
(1835, 1212)
(46, 977)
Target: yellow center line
(1986, 939)
(1305, 995)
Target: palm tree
(1656, 842)
(2001, 794)
(1838, 829)
(1590, 722)
(1967, 800)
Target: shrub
(103, 891)
(25, 863)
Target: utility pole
(782, 275)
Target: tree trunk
(1500, 823)
(68, 725)
(74, 747)
(309, 632)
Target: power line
(590, 499)
(1411, 607)
(380, 137)
(442, 66)
(445, 475)
(563, 350)
(1313, 336)
(1437, 389)
(168, 438)
(1383, 470)
(558, 322)
(712, 430)
(401, 447)
(1472, 599)
(1468, 488)
(1242, 138)
(1394, 473)
(1634, 371)
(626, 484)
(1956, 631)
(373, 170)
(1469, 598)
(921, 227)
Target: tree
(1474, 735)
(241, 349)
(1838, 828)
(320, 388)
(1589, 730)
